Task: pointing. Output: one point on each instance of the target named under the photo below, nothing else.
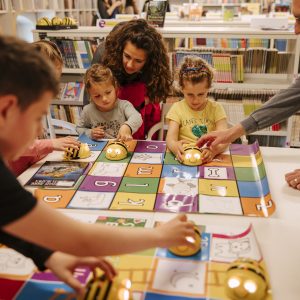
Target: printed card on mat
(58, 174)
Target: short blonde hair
(49, 49)
(195, 70)
(98, 73)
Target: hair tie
(195, 69)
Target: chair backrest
(69, 128)
(161, 126)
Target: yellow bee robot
(188, 250)
(101, 288)
(116, 151)
(192, 156)
(246, 279)
(83, 152)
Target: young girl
(106, 116)
(195, 114)
(40, 148)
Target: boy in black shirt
(27, 84)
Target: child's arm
(63, 265)
(82, 239)
(175, 146)
(209, 154)
(133, 121)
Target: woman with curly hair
(137, 56)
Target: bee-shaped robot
(188, 250)
(83, 152)
(116, 151)
(192, 156)
(246, 279)
(101, 288)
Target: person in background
(195, 114)
(106, 116)
(137, 56)
(145, 6)
(131, 7)
(109, 8)
(24, 220)
(41, 147)
(278, 108)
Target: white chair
(68, 127)
(161, 126)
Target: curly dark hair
(156, 72)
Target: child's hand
(176, 231)
(124, 133)
(207, 155)
(97, 133)
(178, 149)
(65, 142)
(63, 266)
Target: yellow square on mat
(136, 268)
(132, 201)
(249, 161)
(55, 198)
(223, 188)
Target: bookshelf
(252, 81)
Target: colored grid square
(102, 158)
(180, 171)
(178, 277)
(93, 145)
(9, 288)
(150, 146)
(131, 201)
(250, 161)
(202, 255)
(250, 174)
(55, 198)
(253, 189)
(107, 169)
(178, 186)
(220, 160)
(147, 158)
(262, 207)
(220, 205)
(210, 172)
(170, 159)
(46, 290)
(139, 185)
(143, 170)
(223, 188)
(100, 184)
(91, 200)
(239, 149)
(176, 203)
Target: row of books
(268, 140)
(295, 131)
(69, 113)
(231, 64)
(71, 91)
(77, 53)
(219, 2)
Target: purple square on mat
(176, 203)
(100, 184)
(239, 149)
(221, 172)
(150, 146)
(80, 274)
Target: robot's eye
(118, 151)
(188, 155)
(109, 150)
(197, 156)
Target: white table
(278, 236)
